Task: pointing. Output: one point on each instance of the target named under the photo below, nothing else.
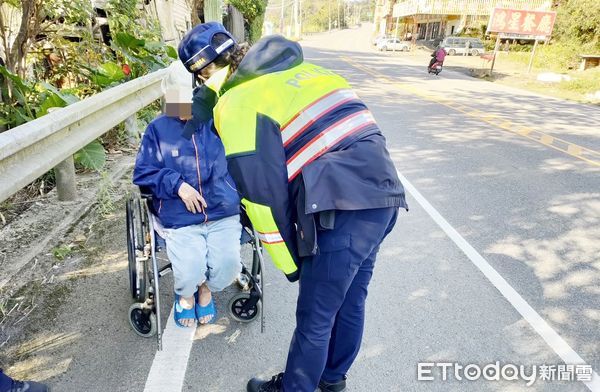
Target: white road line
(560, 347)
(168, 368)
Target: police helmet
(196, 49)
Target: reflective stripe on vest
(327, 139)
(309, 115)
(270, 238)
(263, 222)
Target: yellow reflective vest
(277, 115)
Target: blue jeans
(208, 252)
(330, 313)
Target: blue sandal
(181, 313)
(208, 310)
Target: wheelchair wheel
(143, 321)
(137, 227)
(237, 311)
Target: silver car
(463, 45)
(393, 44)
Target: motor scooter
(435, 68)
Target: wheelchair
(146, 268)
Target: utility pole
(339, 26)
(329, 13)
(213, 11)
(396, 34)
(296, 19)
(300, 24)
(376, 11)
(290, 28)
(281, 21)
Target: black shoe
(273, 385)
(22, 386)
(339, 386)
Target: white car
(379, 38)
(393, 44)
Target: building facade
(174, 16)
(436, 19)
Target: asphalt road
(482, 156)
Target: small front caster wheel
(143, 321)
(237, 308)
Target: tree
(316, 15)
(197, 8)
(31, 18)
(579, 20)
(254, 15)
(74, 63)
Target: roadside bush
(579, 21)
(558, 56)
(254, 16)
(85, 66)
(562, 55)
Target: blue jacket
(166, 159)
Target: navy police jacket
(300, 145)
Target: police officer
(316, 180)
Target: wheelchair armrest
(145, 193)
(147, 197)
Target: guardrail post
(131, 127)
(65, 180)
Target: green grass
(62, 252)
(556, 57)
(106, 195)
(583, 82)
(560, 58)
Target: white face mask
(217, 79)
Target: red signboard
(511, 21)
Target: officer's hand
(194, 202)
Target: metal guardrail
(30, 150)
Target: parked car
(378, 38)
(458, 45)
(393, 44)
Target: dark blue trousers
(5, 382)
(330, 312)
